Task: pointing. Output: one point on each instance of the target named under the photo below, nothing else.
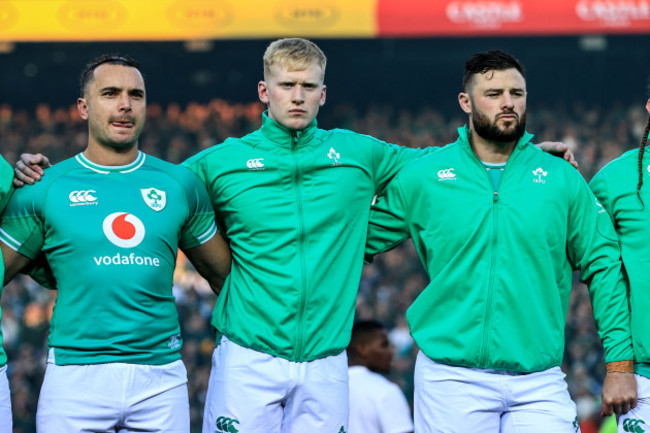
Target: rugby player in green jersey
(621, 187)
(500, 226)
(294, 201)
(6, 174)
(109, 222)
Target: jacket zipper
(488, 307)
(484, 352)
(301, 253)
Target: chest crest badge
(334, 156)
(156, 199)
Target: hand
(559, 148)
(29, 169)
(619, 393)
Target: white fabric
(113, 398)
(254, 392)
(377, 405)
(5, 402)
(638, 419)
(454, 399)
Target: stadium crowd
(388, 286)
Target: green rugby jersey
(6, 176)
(111, 235)
(615, 186)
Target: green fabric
(115, 301)
(501, 264)
(494, 172)
(615, 186)
(642, 368)
(295, 207)
(6, 177)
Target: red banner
(511, 17)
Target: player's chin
(122, 142)
(297, 123)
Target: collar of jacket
(283, 136)
(463, 137)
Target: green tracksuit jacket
(6, 176)
(295, 207)
(615, 187)
(501, 262)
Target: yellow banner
(109, 20)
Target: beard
(491, 131)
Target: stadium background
(394, 71)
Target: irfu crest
(154, 198)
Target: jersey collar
(282, 135)
(105, 169)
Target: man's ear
(82, 107)
(263, 92)
(465, 102)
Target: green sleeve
(600, 189)
(22, 226)
(6, 179)
(388, 226)
(200, 226)
(388, 159)
(593, 249)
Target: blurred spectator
(376, 404)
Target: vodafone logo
(613, 12)
(124, 229)
(485, 13)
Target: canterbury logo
(226, 425)
(632, 425)
(82, 196)
(447, 174)
(255, 164)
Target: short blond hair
(296, 53)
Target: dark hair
(363, 330)
(110, 59)
(494, 60)
(644, 140)
(366, 326)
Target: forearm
(212, 261)
(13, 262)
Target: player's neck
(491, 151)
(106, 155)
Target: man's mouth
(123, 123)
(508, 116)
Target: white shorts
(114, 397)
(457, 399)
(638, 419)
(253, 392)
(5, 402)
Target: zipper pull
(495, 196)
(294, 137)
